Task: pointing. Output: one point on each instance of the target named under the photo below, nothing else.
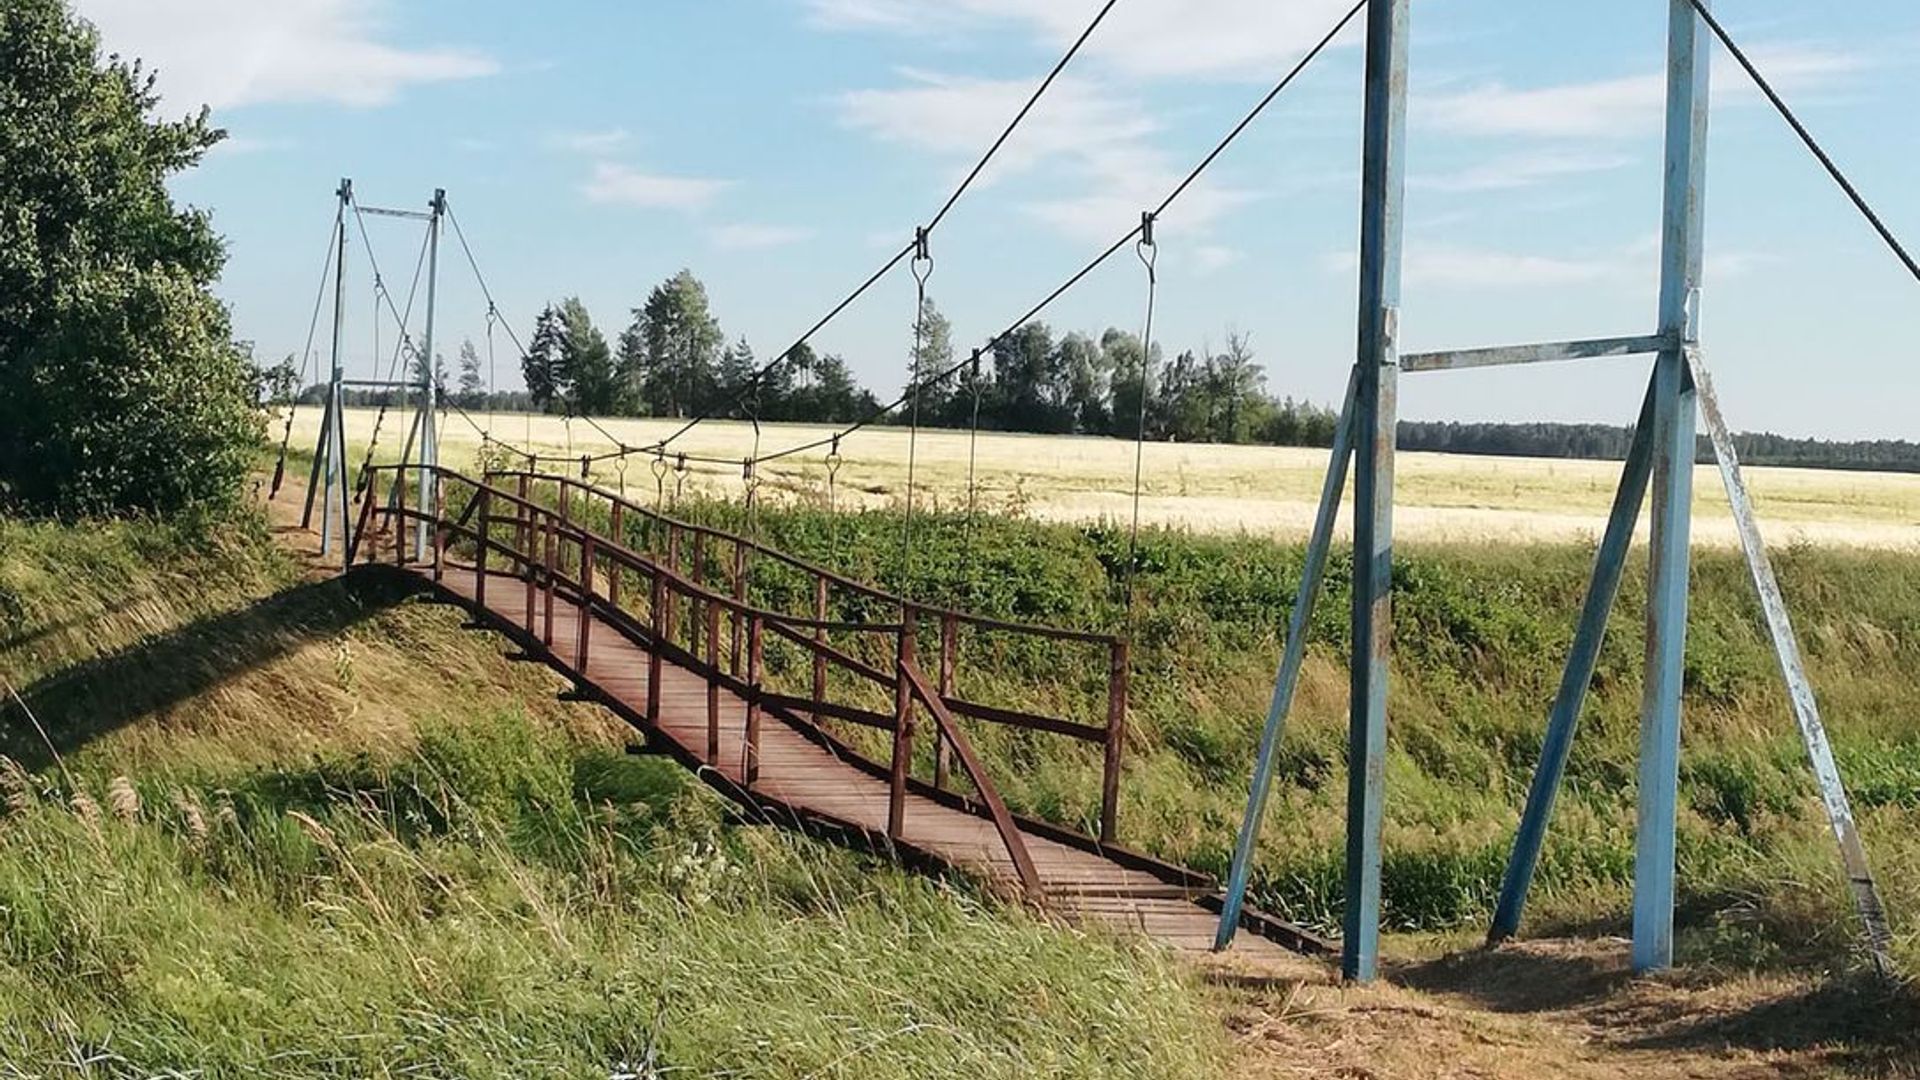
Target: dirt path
(1573, 1009)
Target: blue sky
(782, 148)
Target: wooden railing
(690, 549)
(549, 551)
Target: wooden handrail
(979, 621)
(544, 530)
(970, 764)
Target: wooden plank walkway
(806, 783)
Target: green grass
(1481, 632)
(294, 831)
(503, 902)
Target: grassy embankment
(1481, 633)
(300, 829)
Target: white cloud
(590, 142)
(627, 186)
(1223, 38)
(1625, 106)
(1522, 169)
(743, 236)
(1096, 139)
(1212, 258)
(959, 116)
(229, 53)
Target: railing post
(657, 596)
(1118, 672)
(560, 547)
(695, 565)
(820, 638)
(366, 519)
(713, 683)
(439, 528)
(671, 622)
(552, 561)
(480, 556)
(740, 596)
(586, 602)
(949, 643)
(752, 764)
(902, 728)
(616, 571)
(523, 535)
(399, 519)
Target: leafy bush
(120, 384)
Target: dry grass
(1207, 488)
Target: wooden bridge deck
(805, 781)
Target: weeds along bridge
(790, 714)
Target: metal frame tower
(1661, 459)
(328, 478)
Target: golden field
(1204, 487)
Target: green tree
(120, 384)
(540, 367)
(418, 373)
(679, 342)
(925, 363)
(584, 377)
(473, 382)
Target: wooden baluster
(1118, 672)
(618, 569)
(902, 728)
(949, 641)
(740, 597)
(820, 638)
(754, 658)
(439, 530)
(586, 603)
(552, 561)
(696, 573)
(560, 549)
(480, 557)
(672, 624)
(713, 683)
(399, 518)
(657, 620)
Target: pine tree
(473, 384)
(540, 365)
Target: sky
(782, 149)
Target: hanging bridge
(659, 620)
(781, 707)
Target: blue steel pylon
(1661, 457)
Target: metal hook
(922, 265)
(1146, 249)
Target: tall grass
(503, 902)
(1481, 632)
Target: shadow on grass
(99, 696)
(1525, 978)
(1858, 1021)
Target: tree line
(673, 360)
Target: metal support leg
(1382, 190)
(1294, 654)
(1608, 563)
(1786, 646)
(1673, 452)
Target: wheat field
(1204, 487)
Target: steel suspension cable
(1129, 237)
(1149, 254)
(403, 346)
(922, 270)
(939, 215)
(306, 356)
(1806, 137)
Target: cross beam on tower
(1660, 461)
